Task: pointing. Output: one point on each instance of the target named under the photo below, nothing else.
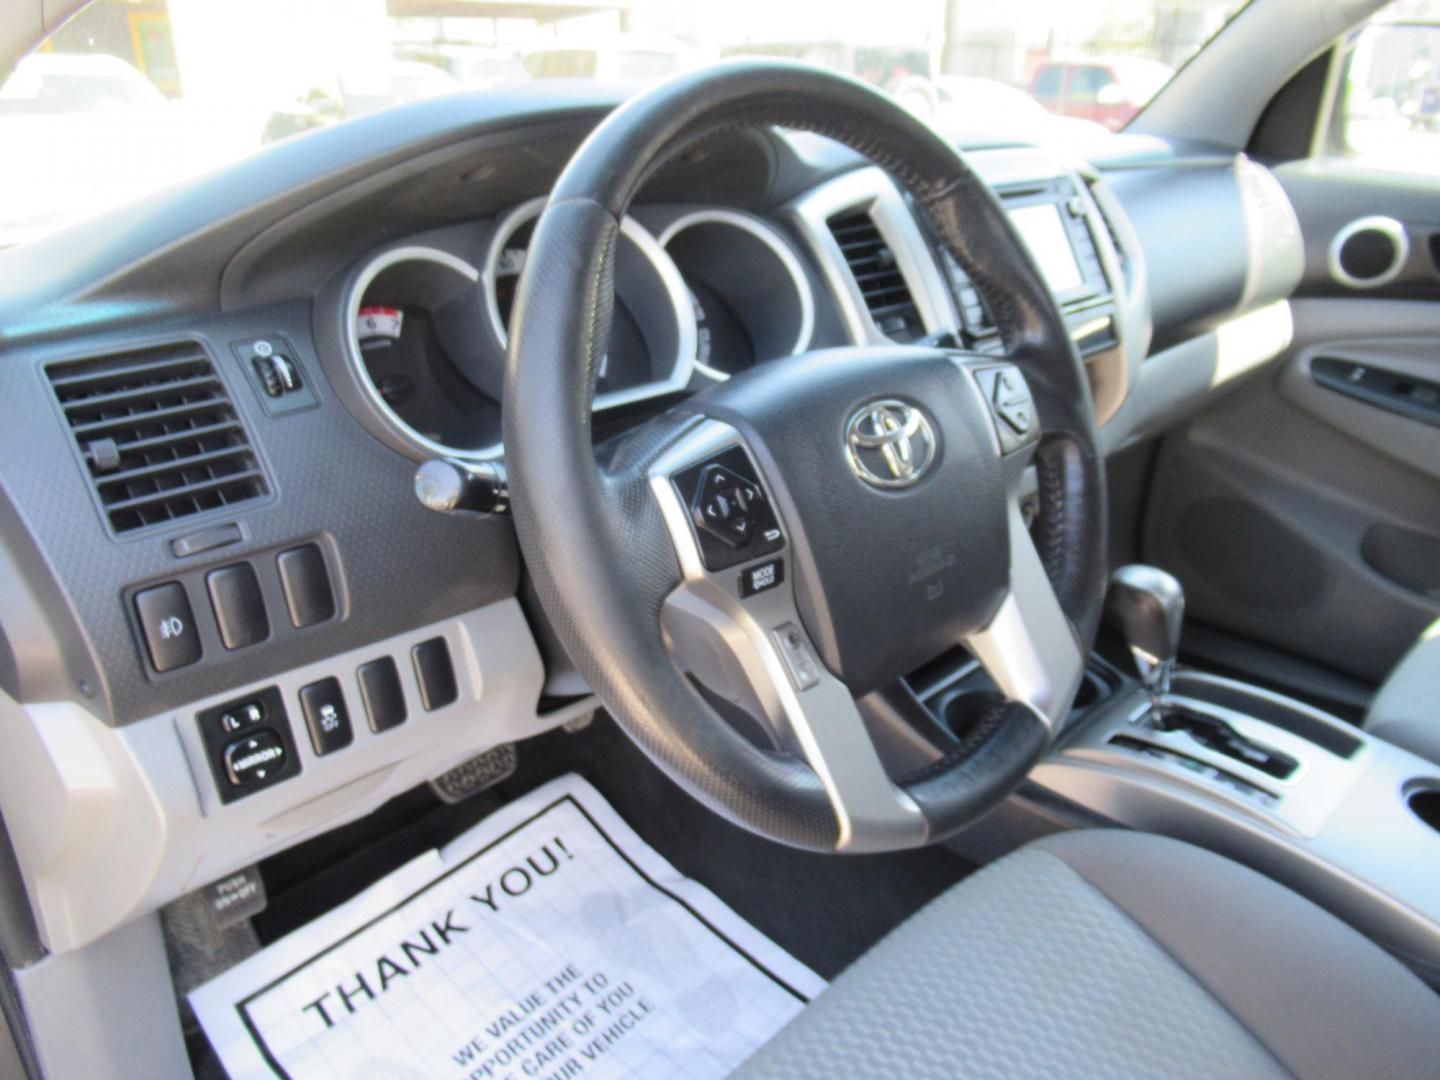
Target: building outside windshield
(134, 95)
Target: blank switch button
(307, 585)
(435, 674)
(384, 698)
(239, 607)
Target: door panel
(1300, 515)
(1303, 510)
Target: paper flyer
(549, 942)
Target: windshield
(133, 95)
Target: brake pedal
(479, 773)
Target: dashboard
(229, 622)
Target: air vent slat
(158, 433)
(128, 372)
(887, 294)
(160, 441)
(188, 491)
(144, 395)
(162, 416)
(109, 481)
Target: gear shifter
(1147, 605)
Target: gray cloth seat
(1406, 711)
(1104, 953)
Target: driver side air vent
(887, 294)
(158, 434)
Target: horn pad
(889, 484)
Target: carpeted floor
(825, 909)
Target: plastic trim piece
(1387, 227)
(111, 823)
(815, 714)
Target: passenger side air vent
(158, 433)
(872, 263)
(1122, 255)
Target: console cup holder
(1424, 801)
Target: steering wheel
(818, 526)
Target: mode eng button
(250, 760)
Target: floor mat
(548, 941)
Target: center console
(1347, 819)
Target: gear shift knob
(1147, 606)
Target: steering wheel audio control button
(1011, 405)
(725, 502)
(732, 517)
(1017, 416)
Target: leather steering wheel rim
(589, 525)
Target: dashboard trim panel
(110, 823)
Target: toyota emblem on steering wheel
(890, 444)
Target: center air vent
(887, 295)
(158, 434)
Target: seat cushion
(1107, 953)
(1406, 711)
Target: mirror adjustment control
(168, 625)
(251, 758)
(242, 716)
(248, 744)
